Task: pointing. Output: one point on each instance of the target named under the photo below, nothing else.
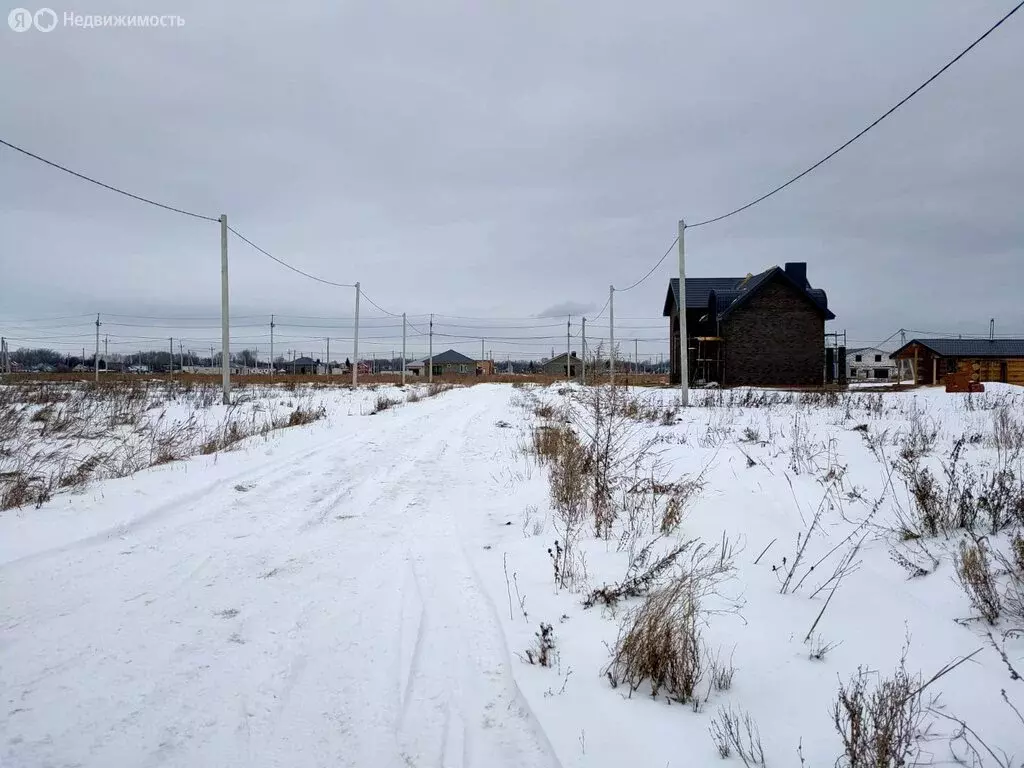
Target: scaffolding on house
(708, 360)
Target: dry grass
(974, 571)
(60, 436)
(735, 731)
(660, 641)
(879, 723)
(383, 403)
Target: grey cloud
(567, 308)
(487, 160)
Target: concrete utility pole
(482, 356)
(3, 355)
(568, 348)
(96, 360)
(636, 356)
(355, 344)
(684, 363)
(181, 356)
(327, 362)
(106, 345)
(271, 347)
(430, 371)
(583, 350)
(611, 334)
(170, 356)
(225, 332)
(403, 349)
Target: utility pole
(106, 345)
(181, 356)
(611, 334)
(684, 363)
(902, 363)
(170, 357)
(3, 354)
(225, 332)
(583, 349)
(992, 329)
(430, 372)
(355, 344)
(328, 361)
(482, 356)
(403, 349)
(96, 360)
(211, 356)
(636, 356)
(568, 348)
(271, 347)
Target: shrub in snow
(660, 643)
(974, 571)
(735, 731)
(543, 650)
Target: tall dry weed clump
(879, 722)
(660, 642)
(974, 572)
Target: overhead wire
(865, 130)
(110, 187)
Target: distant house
(869, 363)
(983, 359)
(556, 366)
(303, 366)
(760, 330)
(485, 367)
(448, 363)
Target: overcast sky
(512, 159)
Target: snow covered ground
(363, 590)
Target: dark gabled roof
(698, 289)
(451, 356)
(969, 347)
(729, 293)
(561, 357)
(302, 361)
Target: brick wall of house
(776, 339)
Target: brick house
(760, 330)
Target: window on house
(881, 373)
(856, 358)
(950, 365)
(853, 373)
(878, 358)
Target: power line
(106, 186)
(271, 256)
(651, 272)
(878, 120)
(598, 315)
(362, 293)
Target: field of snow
(369, 589)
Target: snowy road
(313, 607)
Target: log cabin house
(982, 359)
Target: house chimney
(797, 270)
(992, 329)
